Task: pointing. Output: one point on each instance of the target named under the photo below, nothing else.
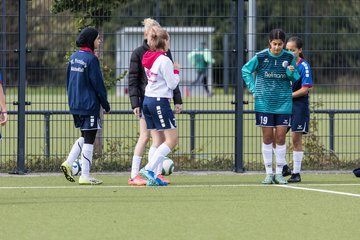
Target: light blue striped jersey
(272, 88)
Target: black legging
(89, 136)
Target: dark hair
(277, 34)
(298, 42)
(157, 37)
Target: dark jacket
(138, 79)
(85, 84)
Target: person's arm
(97, 82)
(191, 58)
(293, 74)
(3, 106)
(247, 73)
(135, 69)
(177, 96)
(171, 74)
(301, 92)
(169, 55)
(208, 57)
(306, 80)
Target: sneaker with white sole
(279, 179)
(149, 176)
(268, 179)
(89, 181)
(67, 170)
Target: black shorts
(272, 120)
(87, 122)
(300, 118)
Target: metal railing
(192, 116)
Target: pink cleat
(137, 181)
(162, 178)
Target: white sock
(280, 154)
(158, 157)
(159, 168)
(135, 166)
(86, 159)
(75, 151)
(267, 157)
(297, 157)
(151, 152)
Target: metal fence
(216, 132)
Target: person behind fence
(300, 109)
(275, 72)
(137, 84)
(200, 58)
(3, 115)
(86, 93)
(163, 78)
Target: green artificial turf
(214, 206)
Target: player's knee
(144, 139)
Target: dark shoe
(286, 171)
(295, 177)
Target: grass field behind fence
(214, 134)
(201, 207)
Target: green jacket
(200, 58)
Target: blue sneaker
(160, 182)
(149, 176)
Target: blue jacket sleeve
(97, 81)
(247, 73)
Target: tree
(91, 13)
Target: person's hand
(137, 112)
(3, 118)
(177, 66)
(291, 68)
(178, 108)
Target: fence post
(331, 130)
(47, 135)
(239, 87)
(226, 63)
(21, 88)
(192, 135)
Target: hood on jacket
(150, 57)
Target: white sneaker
(66, 169)
(89, 181)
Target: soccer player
(275, 72)
(163, 78)
(4, 116)
(137, 84)
(86, 93)
(300, 111)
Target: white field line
(139, 187)
(322, 190)
(197, 186)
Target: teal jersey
(272, 87)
